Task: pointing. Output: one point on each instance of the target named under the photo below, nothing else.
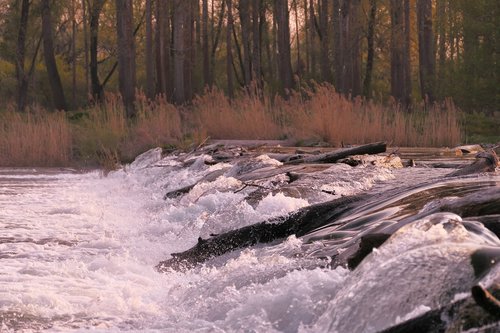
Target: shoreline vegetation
(102, 135)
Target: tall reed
(103, 134)
(106, 132)
(336, 119)
(246, 117)
(34, 138)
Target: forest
(224, 67)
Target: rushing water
(78, 250)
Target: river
(78, 251)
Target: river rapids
(78, 250)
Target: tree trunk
(400, 87)
(229, 58)
(204, 32)
(216, 38)
(256, 57)
(50, 61)
(22, 78)
(347, 31)
(189, 49)
(406, 53)
(148, 57)
(338, 44)
(85, 46)
(73, 53)
(371, 52)
(324, 42)
(353, 52)
(95, 13)
(312, 38)
(179, 21)
(126, 55)
(162, 35)
(244, 13)
(283, 36)
(426, 54)
(308, 43)
(300, 66)
(441, 38)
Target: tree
(347, 30)
(283, 37)
(206, 57)
(148, 58)
(426, 54)
(256, 32)
(229, 58)
(312, 37)
(400, 60)
(324, 41)
(95, 13)
(162, 47)
(22, 78)
(126, 55)
(244, 13)
(370, 46)
(50, 61)
(179, 26)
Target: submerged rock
(425, 263)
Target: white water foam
(77, 253)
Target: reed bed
(35, 138)
(102, 133)
(246, 117)
(335, 119)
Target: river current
(78, 251)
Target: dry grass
(246, 117)
(322, 114)
(106, 133)
(158, 123)
(35, 138)
(102, 133)
(335, 119)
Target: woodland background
(193, 54)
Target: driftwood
(310, 218)
(372, 148)
(298, 223)
(485, 162)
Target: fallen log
(298, 223)
(332, 157)
(485, 162)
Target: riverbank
(101, 135)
